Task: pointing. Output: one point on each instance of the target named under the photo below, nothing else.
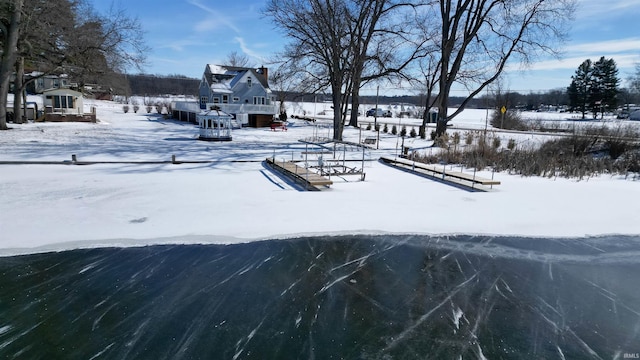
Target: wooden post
(362, 176)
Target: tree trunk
(355, 100)
(443, 104)
(9, 53)
(18, 87)
(355, 104)
(337, 113)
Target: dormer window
(249, 82)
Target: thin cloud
(215, 20)
(609, 46)
(181, 45)
(245, 49)
(600, 8)
(571, 63)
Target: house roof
(214, 113)
(236, 73)
(62, 91)
(221, 88)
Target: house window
(204, 100)
(258, 100)
(249, 82)
(62, 101)
(225, 99)
(216, 100)
(236, 99)
(56, 83)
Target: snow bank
(233, 198)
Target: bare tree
(382, 43)
(10, 18)
(239, 60)
(282, 81)
(429, 71)
(633, 91)
(479, 37)
(42, 44)
(341, 45)
(320, 46)
(105, 44)
(64, 36)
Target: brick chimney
(265, 72)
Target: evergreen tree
(606, 83)
(580, 89)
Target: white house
(64, 101)
(239, 91)
(65, 105)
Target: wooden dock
(440, 172)
(310, 179)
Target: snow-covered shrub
(125, 108)
(496, 142)
(413, 132)
(167, 106)
(442, 141)
(456, 138)
(468, 139)
(510, 120)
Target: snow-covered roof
(62, 91)
(214, 114)
(217, 69)
(221, 88)
(235, 73)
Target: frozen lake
(366, 297)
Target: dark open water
(350, 297)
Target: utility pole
(375, 112)
(375, 117)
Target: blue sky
(185, 35)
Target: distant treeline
(144, 84)
(530, 101)
(152, 85)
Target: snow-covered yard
(232, 197)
